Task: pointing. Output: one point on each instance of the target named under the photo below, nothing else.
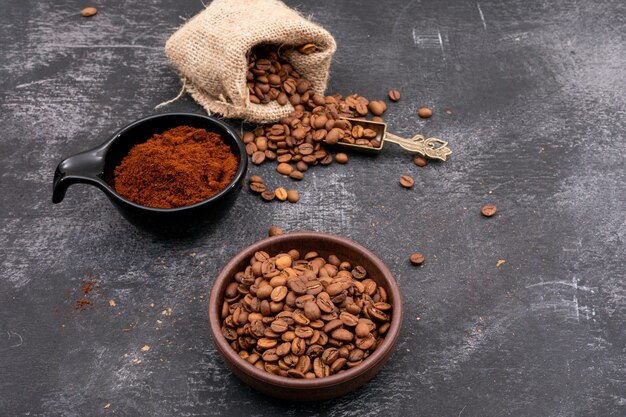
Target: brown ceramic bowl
(307, 389)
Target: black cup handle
(85, 167)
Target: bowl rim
(380, 354)
(241, 169)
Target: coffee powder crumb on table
(180, 167)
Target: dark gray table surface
(536, 90)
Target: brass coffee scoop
(432, 148)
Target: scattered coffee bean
(258, 157)
(341, 158)
(257, 187)
(406, 181)
(394, 95)
(281, 194)
(255, 178)
(377, 107)
(489, 210)
(268, 195)
(248, 137)
(89, 11)
(417, 258)
(424, 112)
(279, 315)
(327, 160)
(296, 175)
(284, 168)
(420, 161)
(293, 196)
(275, 231)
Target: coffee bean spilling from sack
(304, 317)
(298, 138)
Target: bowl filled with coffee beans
(305, 316)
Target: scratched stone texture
(536, 90)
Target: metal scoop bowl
(432, 148)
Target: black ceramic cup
(96, 167)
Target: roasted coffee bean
(359, 272)
(424, 112)
(312, 310)
(377, 108)
(366, 342)
(298, 346)
(275, 231)
(265, 343)
(376, 314)
(279, 293)
(302, 166)
(307, 49)
(324, 302)
(282, 99)
(268, 195)
(489, 210)
(369, 134)
(292, 195)
(279, 326)
(296, 175)
(283, 349)
(361, 109)
(332, 325)
(261, 143)
(305, 149)
(394, 95)
(281, 194)
(341, 158)
(337, 365)
(334, 135)
(304, 332)
(406, 181)
(348, 319)
(248, 137)
(258, 157)
(327, 160)
(257, 187)
(420, 161)
(417, 258)
(383, 328)
(251, 148)
(342, 335)
(301, 319)
(284, 168)
(89, 11)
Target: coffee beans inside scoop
(304, 316)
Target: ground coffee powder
(179, 167)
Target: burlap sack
(210, 53)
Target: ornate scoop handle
(432, 147)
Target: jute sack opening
(210, 53)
